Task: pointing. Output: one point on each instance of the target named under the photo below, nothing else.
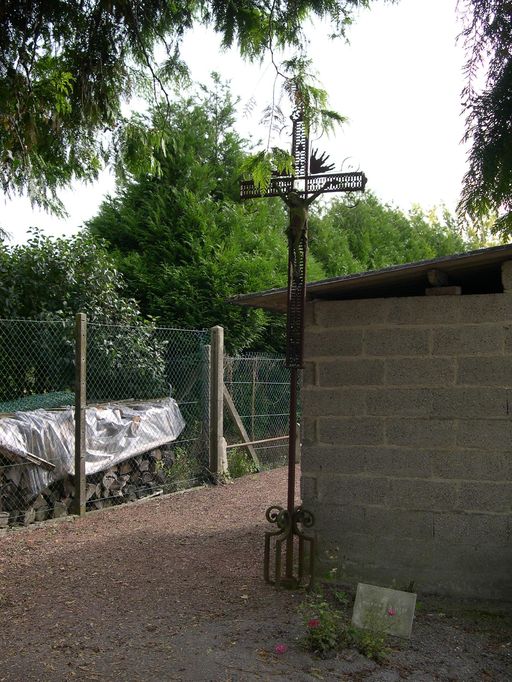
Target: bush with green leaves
(324, 625)
(43, 284)
(240, 463)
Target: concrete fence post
(216, 400)
(80, 401)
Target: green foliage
(184, 472)
(239, 463)
(66, 68)
(46, 282)
(487, 185)
(346, 238)
(185, 244)
(324, 625)
(183, 241)
(372, 643)
(78, 276)
(328, 628)
(261, 166)
(303, 90)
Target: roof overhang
(476, 272)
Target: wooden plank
(241, 428)
(33, 459)
(257, 442)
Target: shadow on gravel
(172, 589)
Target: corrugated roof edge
(275, 299)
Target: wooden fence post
(80, 401)
(216, 401)
(206, 353)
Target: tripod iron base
(289, 528)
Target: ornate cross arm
(331, 182)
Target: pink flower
(391, 611)
(280, 648)
(314, 623)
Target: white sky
(398, 81)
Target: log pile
(143, 475)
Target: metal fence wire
(260, 388)
(133, 371)
(36, 372)
(147, 414)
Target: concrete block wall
(407, 441)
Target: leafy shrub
(324, 625)
(328, 628)
(239, 463)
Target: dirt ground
(172, 589)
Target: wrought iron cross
(298, 191)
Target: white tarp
(114, 433)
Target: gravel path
(171, 589)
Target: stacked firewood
(143, 475)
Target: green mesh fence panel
(36, 372)
(36, 364)
(260, 388)
(144, 364)
(128, 366)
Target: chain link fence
(147, 414)
(131, 374)
(260, 388)
(36, 373)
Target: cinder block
(396, 341)
(309, 374)
(308, 430)
(414, 402)
(395, 577)
(485, 308)
(469, 402)
(309, 314)
(471, 529)
(471, 465)
(423, 494)
(344, 431)
(351, 372)
(425, 310)
(495, 434)
(335, 459)
(353, 490)
(352, 313)
(308, 490)
(332, 342)
(335, 521)
(399, 523)
(468, 340)
(474, 563)
(507, 331)
(398, 462)
(506, 276)
(422, 433)
(476, 584)
(485, 496)
(485, 371)
(382, 551)
(333, 401)
(420, 371)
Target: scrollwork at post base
(287, 530)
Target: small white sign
(384, 610)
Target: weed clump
(329, 629)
